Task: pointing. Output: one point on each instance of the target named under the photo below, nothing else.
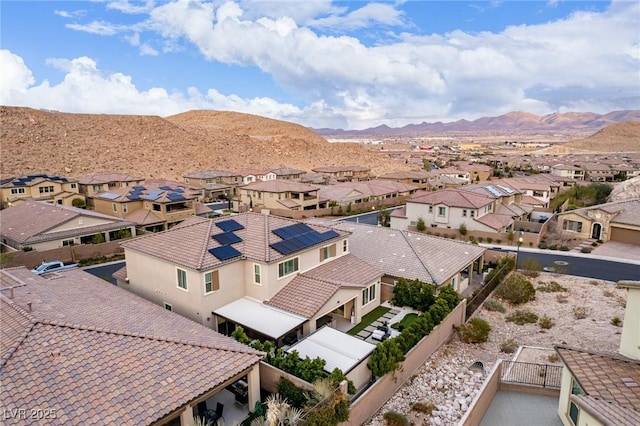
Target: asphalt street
(105, 270)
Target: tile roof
(453, 198)
(101, 178)
(187, 244)
(347, 270)
(286, 171)
(605, 377)
(303, 296)
(336, 169)
(628, 211)
(419, 174)
(34, 179)
(101, 355)
(407, 254)
(607, 413)
(279, 186)
(144, 217)
(495, 220)
(374, 188)
(36, 221)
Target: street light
(520, 240)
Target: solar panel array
(506, 189)
(165, 188)
(224, 252)
(226, 238)
(109, 196)
(229, 225)
(175, 197)
(298, 237)
(493, 190)
(22, 181)
(152, 195)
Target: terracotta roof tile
(122, 375)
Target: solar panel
(133, 197)
(226, 238)
(494, 191)
(178, 190)
(506, 189)
(109, 196)
(292, 230)
(229, 225)
(329, 235)
(284, 247)
(224, 252)
(165, 188)
(139, 187)
(150, 197)
(302, 241)
(175, 197)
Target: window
(124, 208)
(67, 243)
(473, 213)
(288, 267)
(256, 273)
(368, 294)
(168, 307)
(156, 207)
(345, 246)
(211, 282)
(572, 225)
(97, 188)
(430, 209)
(115, 207)
(182, 278)
(15, 191)
(442, 211)
(464, 212)
(74, 185)
(574, 411)
(45, 189)
(327, 252)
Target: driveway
(621, 250)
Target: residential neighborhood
(254, 271)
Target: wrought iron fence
(544, 375)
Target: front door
(597, 230)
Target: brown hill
(149, 146)
(621, 137)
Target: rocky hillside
(149, 146)
(626, 190)
(621, 137)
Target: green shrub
(393, 418)
(420, 225)
(97, 239)
(616, 321)
(564, 248)
(551, 287)
(553, 358)
(546, 322)
(509, 346)
(553, 247)
(78, 202)
(462, 229)
(475, 331)
(522, 316)
(542, 246)
(585, 250)
(27, 248)
(423, 407)
(531, 267)
(295, 396)
(517, 289)
(494, 305)
(489, 240)
(415, 294)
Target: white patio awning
(338, 349)
(264, 319)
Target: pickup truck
(54, 266)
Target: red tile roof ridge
(186, 342)
(23, 336)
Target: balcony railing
(526, 373)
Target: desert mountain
(513, 122)
(621, 137)
(33, 141)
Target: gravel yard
(582, 316)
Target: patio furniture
(217, 414)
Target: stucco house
(252, 175)
(489, 208)
(217, 183)
(615, 221)
(102, 182)
(364, 191)
(420, 179)
(288, 173)
(43, 226)
(277, 194)
(78, 350)
(599, 388)
(250, 270)
(40, 187)
(345, 173)
(568, 171)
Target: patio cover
(264, 319)
(338, 349)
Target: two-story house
(345, 173)
(568, 171)
(218, 184)
(249, 176)
(277, 194)
(287, 173)
(419, 178)
(151, 208)
(364, 191)
(219, 272)
(479, 207)
(40, 187)
(597, 172)
(91, 185)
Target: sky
(334, 64)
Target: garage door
(626, 236)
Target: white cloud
(125, 6)
(366, 16)
(15, 78)
(97, 27)
(70, 14)
(146, 50)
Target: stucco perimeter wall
(31, 259)
(481, 404)
(374, 398)
(270, 375)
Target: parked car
(53, 266)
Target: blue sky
(350, 65)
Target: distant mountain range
(513, 122)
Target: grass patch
(405, 322)
(368, 319)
